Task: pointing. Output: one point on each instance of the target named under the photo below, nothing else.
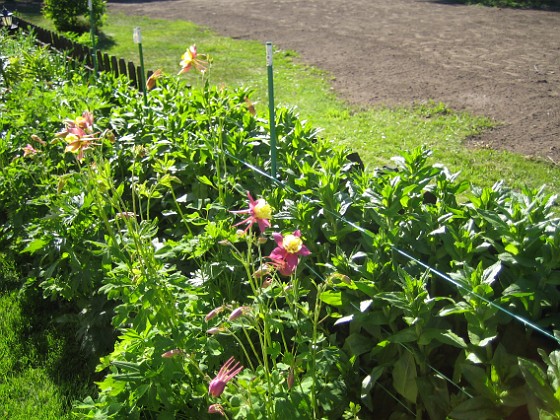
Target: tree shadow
(545, 5)
(105, 41)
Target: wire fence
(407, 255)
(525, 322)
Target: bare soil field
(502, 63)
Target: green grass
(41, 370)
(376, 134)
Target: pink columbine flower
(29, 151)
(78, 134)
(259, 212)
(191, 58)
(77, 142)
(80, 126)
(226, 374)
(216, 409)
(286, 255)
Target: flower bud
(216, 409)
(215, 330)
(291, 378)
(236, 313)
(170, 353)
(213, 313)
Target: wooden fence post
(139, 77)
(132, 74)
(106, 62)
(114, 66)
(83, 54)
(99, 60)
(122, 67)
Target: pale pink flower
(152, 80)
(29, 151)
(226, 374)
(259, 212)
(215, 330)
(213, 313)
(191, 58)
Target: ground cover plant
(376, 134)
(209, 288)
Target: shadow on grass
(547, 5)
(45, 334)
(104, 41)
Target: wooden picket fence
(84, 54)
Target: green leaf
(367, 385)
(358, 344)
(205, 180)
(331, 297)
(35, 245)
(445, 337)
(344, 319)
(537, 382)
(489, 274)
(478, 408)
(404, 377)
(512, 249)
(404, 336)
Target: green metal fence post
(92, 32)
(137, 37)
(273, 157)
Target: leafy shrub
(73, 15)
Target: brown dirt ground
(502, 63)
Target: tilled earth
(502, 63)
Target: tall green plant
(73, 15)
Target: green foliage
(139, 236)
(73, 15)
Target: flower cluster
(285, 257)
(78, 134)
